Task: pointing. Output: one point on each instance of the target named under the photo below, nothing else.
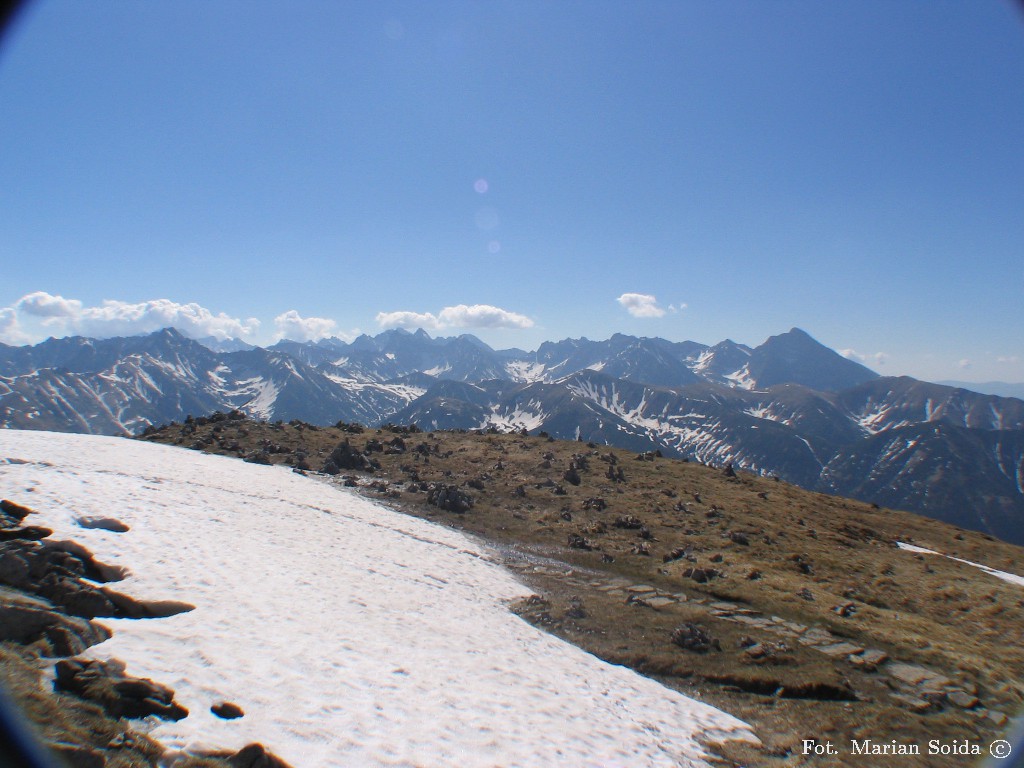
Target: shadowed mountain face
(790, 407)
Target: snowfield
(349, 633)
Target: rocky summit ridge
(791, 407)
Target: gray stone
(660, 602)
(998, 718)
(911, 674)
(912, 703)
(837, 650)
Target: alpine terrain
(790, 408)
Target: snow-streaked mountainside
(349, 634)
(790, 407)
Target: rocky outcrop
(120, 695)
(450, 498)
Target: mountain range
(790, 407)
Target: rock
(660, 602)
(572, 476)
(449, 498)
(805, 594)
(78, 559)
(913, 675)
(629, 522)
(998, 718)
(64, 635)
(344, 456)
(729, 471)
(675, 554)
(14, 568)
(845, 610)
(913, 703)
(963, 699)
(131, 608)
(105, 523)
(13, 510)
(75, 597)
(702, 575)
(693, 637)
(255, 756)
(870, 659)
(75, 756)
(25, 533)
(837, 650)
(227, 710)
(740, 538)
(575, 541)
(105, 683)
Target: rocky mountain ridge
(790, 407)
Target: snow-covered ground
(1010, 577)
(349, 633)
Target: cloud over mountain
(59, 315)
(641, 305)
(458, 316)
(292, 325)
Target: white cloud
(482, 316)
(292, 325)
(122, 318)
(459, 316)
(1008, 359)
(43, 304)
(876, 358)
(964, 364)
(408, 320)
(10, 330)
(641, 305)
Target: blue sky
(522, 171)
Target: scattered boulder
(227, 710)
(738, 537)
(344, 456)
(693, 637)
(450, 498)
(631, 522)
(675, 554)
(572, 476)
(845, 610)
(103, 523)
(702, 575)
(579, 542)
(255, 756)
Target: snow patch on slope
(740, 379)
(1010, 577)
(350, 634)
(525, 371)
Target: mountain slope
(349, 634)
